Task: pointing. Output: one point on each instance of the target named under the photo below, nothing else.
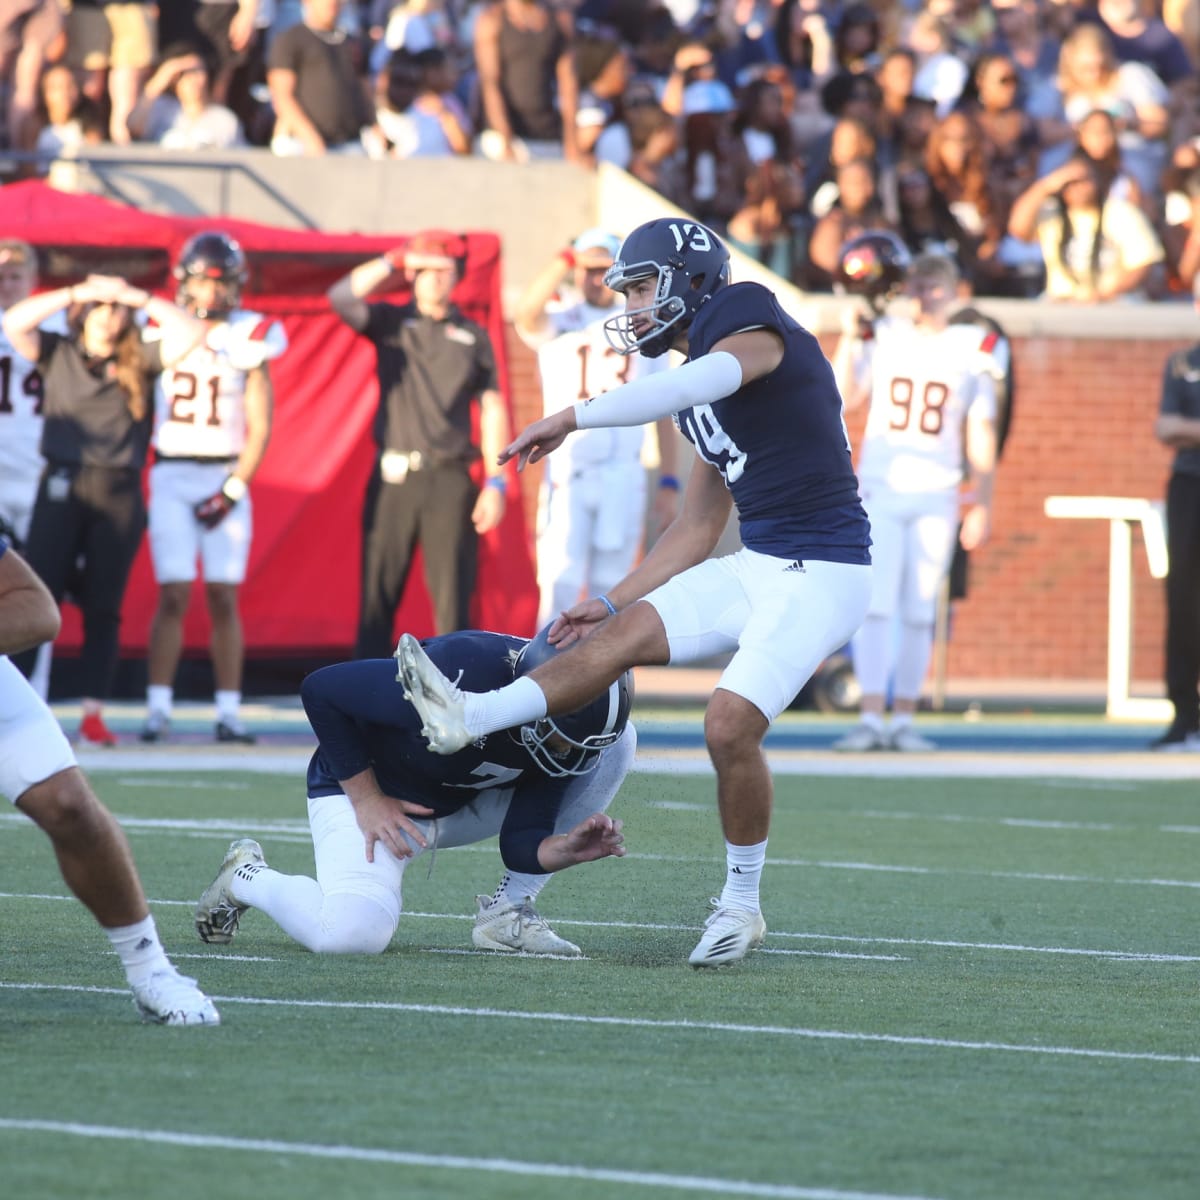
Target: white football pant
(177, 539)
(353, 906)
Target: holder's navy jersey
(361, 719)
(780, 442)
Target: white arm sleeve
(712, 377)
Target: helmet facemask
(665, 313)
(557, 753)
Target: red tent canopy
(301, 593)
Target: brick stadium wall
(1038, 602)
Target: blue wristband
(498, 482)
(612, 612)
(668, 481)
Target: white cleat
(218, 913)
(729, 935)
(438, 702)
(168, 998)
(517, 927)
(908, 741)
(860, 739)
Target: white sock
(139, 950)
(227, 706)
(516, 887)
(872, 720)
(744, 866)
(160, 698)
(520, 702)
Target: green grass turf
(764, 1074)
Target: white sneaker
(512, 927)
(437, 701)
(729, 935)
(168, 998)
(861, 739)
(157, 727)
(908, 741)
(217, 913)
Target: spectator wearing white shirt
(176, 110)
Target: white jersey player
(212, 421)
(592, 502)
(20, 395)
(932, 391)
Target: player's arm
(340, 701)
(494, 432)
(981, 458)
(259, 404)
(348, 296)
(852, 359)
(528, 843)
(28, 614)
(530, 319)
(733, 362)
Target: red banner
(301, 593)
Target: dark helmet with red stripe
(873, 265)
(571, 744)
(216, 256)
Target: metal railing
(100, 167)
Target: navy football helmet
(571, 744)
(689, 263)
(211, 255)
(873, 265)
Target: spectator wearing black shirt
(320, 102)
(96, 381)
(433, 365)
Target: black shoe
(1177, 737)
(234, 733)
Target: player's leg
(38, 771)
(389, 534)
(351, 907)
(929, 548)
(871, 645)
(795, 620)
(174, 536)
(113, 529)
(449, 544)
(225, 555)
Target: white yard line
(780, 1031)
(267, 760)
(450, 1162)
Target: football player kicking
(932, 392)
(378, 798)
(38, 773)
(758, 401)
(212, 421)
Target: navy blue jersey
(361, 719)
(780, 442)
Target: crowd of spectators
(1050, 146)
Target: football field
(981, 980)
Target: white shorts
(781, 619)
(17, 494)
(913, 536)
(177, 539)
(32, 744)
(338, 847)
